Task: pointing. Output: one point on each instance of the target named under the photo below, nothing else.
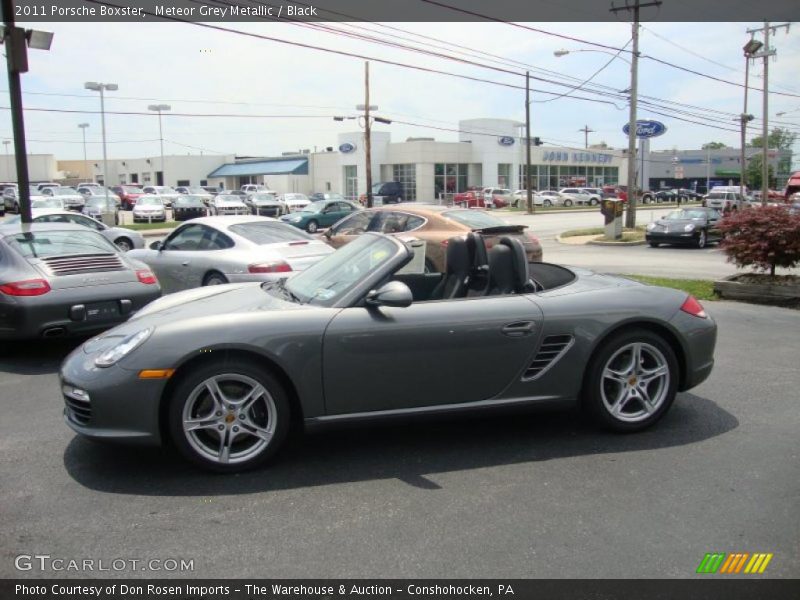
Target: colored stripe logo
(734, 563)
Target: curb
(599, 243)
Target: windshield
(315, 207)
(189, 201)
(262, 197)
(260, 232)
(682, 215)
(59, 243)
(716, 196)
(64, 192)
(47, 203)
(227, 198)
(165, 189)
(474, 219)
(100, 201)
(149, 201)
(329, 279)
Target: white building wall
(485, 136)
(192, 168)
(41, 168)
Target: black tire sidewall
(592, 398)
(202, 372)
(312, 226)
(216, 275)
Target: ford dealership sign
(506, 140)
(346, 148)
(647, 129)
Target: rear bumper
(49, 315)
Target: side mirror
(395, 293)
(156, 245)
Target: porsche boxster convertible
(369, 333)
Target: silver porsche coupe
(368, 333)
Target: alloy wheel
(635, 382)
(229, 418)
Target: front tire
(229, 416)
(702, 240)
(547, 203)
(631, 381)
(312, 226)
(124, 244)
(654, 244)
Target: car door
(714, 217)
(427, 354)
(172, 263)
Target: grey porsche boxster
(367, 333)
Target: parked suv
(724, 201)
(387, 192)
(581, 196)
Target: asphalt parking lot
(531, 495)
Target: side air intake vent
(553, 347)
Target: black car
(388, 192)
(695, 226)
(187, 207)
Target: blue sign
(506, 140)
(647, 129)
(347, 147)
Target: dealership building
(489, 152)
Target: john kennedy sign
(647, 129)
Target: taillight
(30, 287)
(277, 266)
(445, 243)
(147, 277)
(694, 308)
(532, 238)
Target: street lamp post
(83, 127)
(159, 108)
(101, 87)
(749, 49)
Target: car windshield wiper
(292, 296)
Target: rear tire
(228, 416)
(215, 278)
(547, 203)
(654, 244)
(567, 202)
(631, 381)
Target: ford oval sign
(506, 140)
(647, 129)
(346, 148)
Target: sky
(297, 90)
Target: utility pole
(83, 127)
(630, 217)
(17, 62)
(367, 135)
(528, 141)
(586, 131)
(766, 53)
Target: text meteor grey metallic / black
(369, 333)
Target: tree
(762, 238)
(780, 139)
(754, 172)
(714, 146)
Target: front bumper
(117, 406)
(672, 237)
(160, 216)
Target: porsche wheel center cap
(632, 381)
(230, 418)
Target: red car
(475, 199)
(127, 195)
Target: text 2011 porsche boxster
(368, 333)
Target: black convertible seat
(479, 276)
(508, 268)
(456, 277)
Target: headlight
(125, 347)
(295, 219)
(651, 226)
(689, 227)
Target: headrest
(502, 272)
(458, 256)
(520, 262)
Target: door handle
(518, 328)
(185, 263)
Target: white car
(47, 204)
(520, 199)
(581, 196)
(149, 208)
(228, 204)
(69, 196)
(294, 201)
(195, 191)
(165, 192)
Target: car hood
(678, 224)
(228, 203)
